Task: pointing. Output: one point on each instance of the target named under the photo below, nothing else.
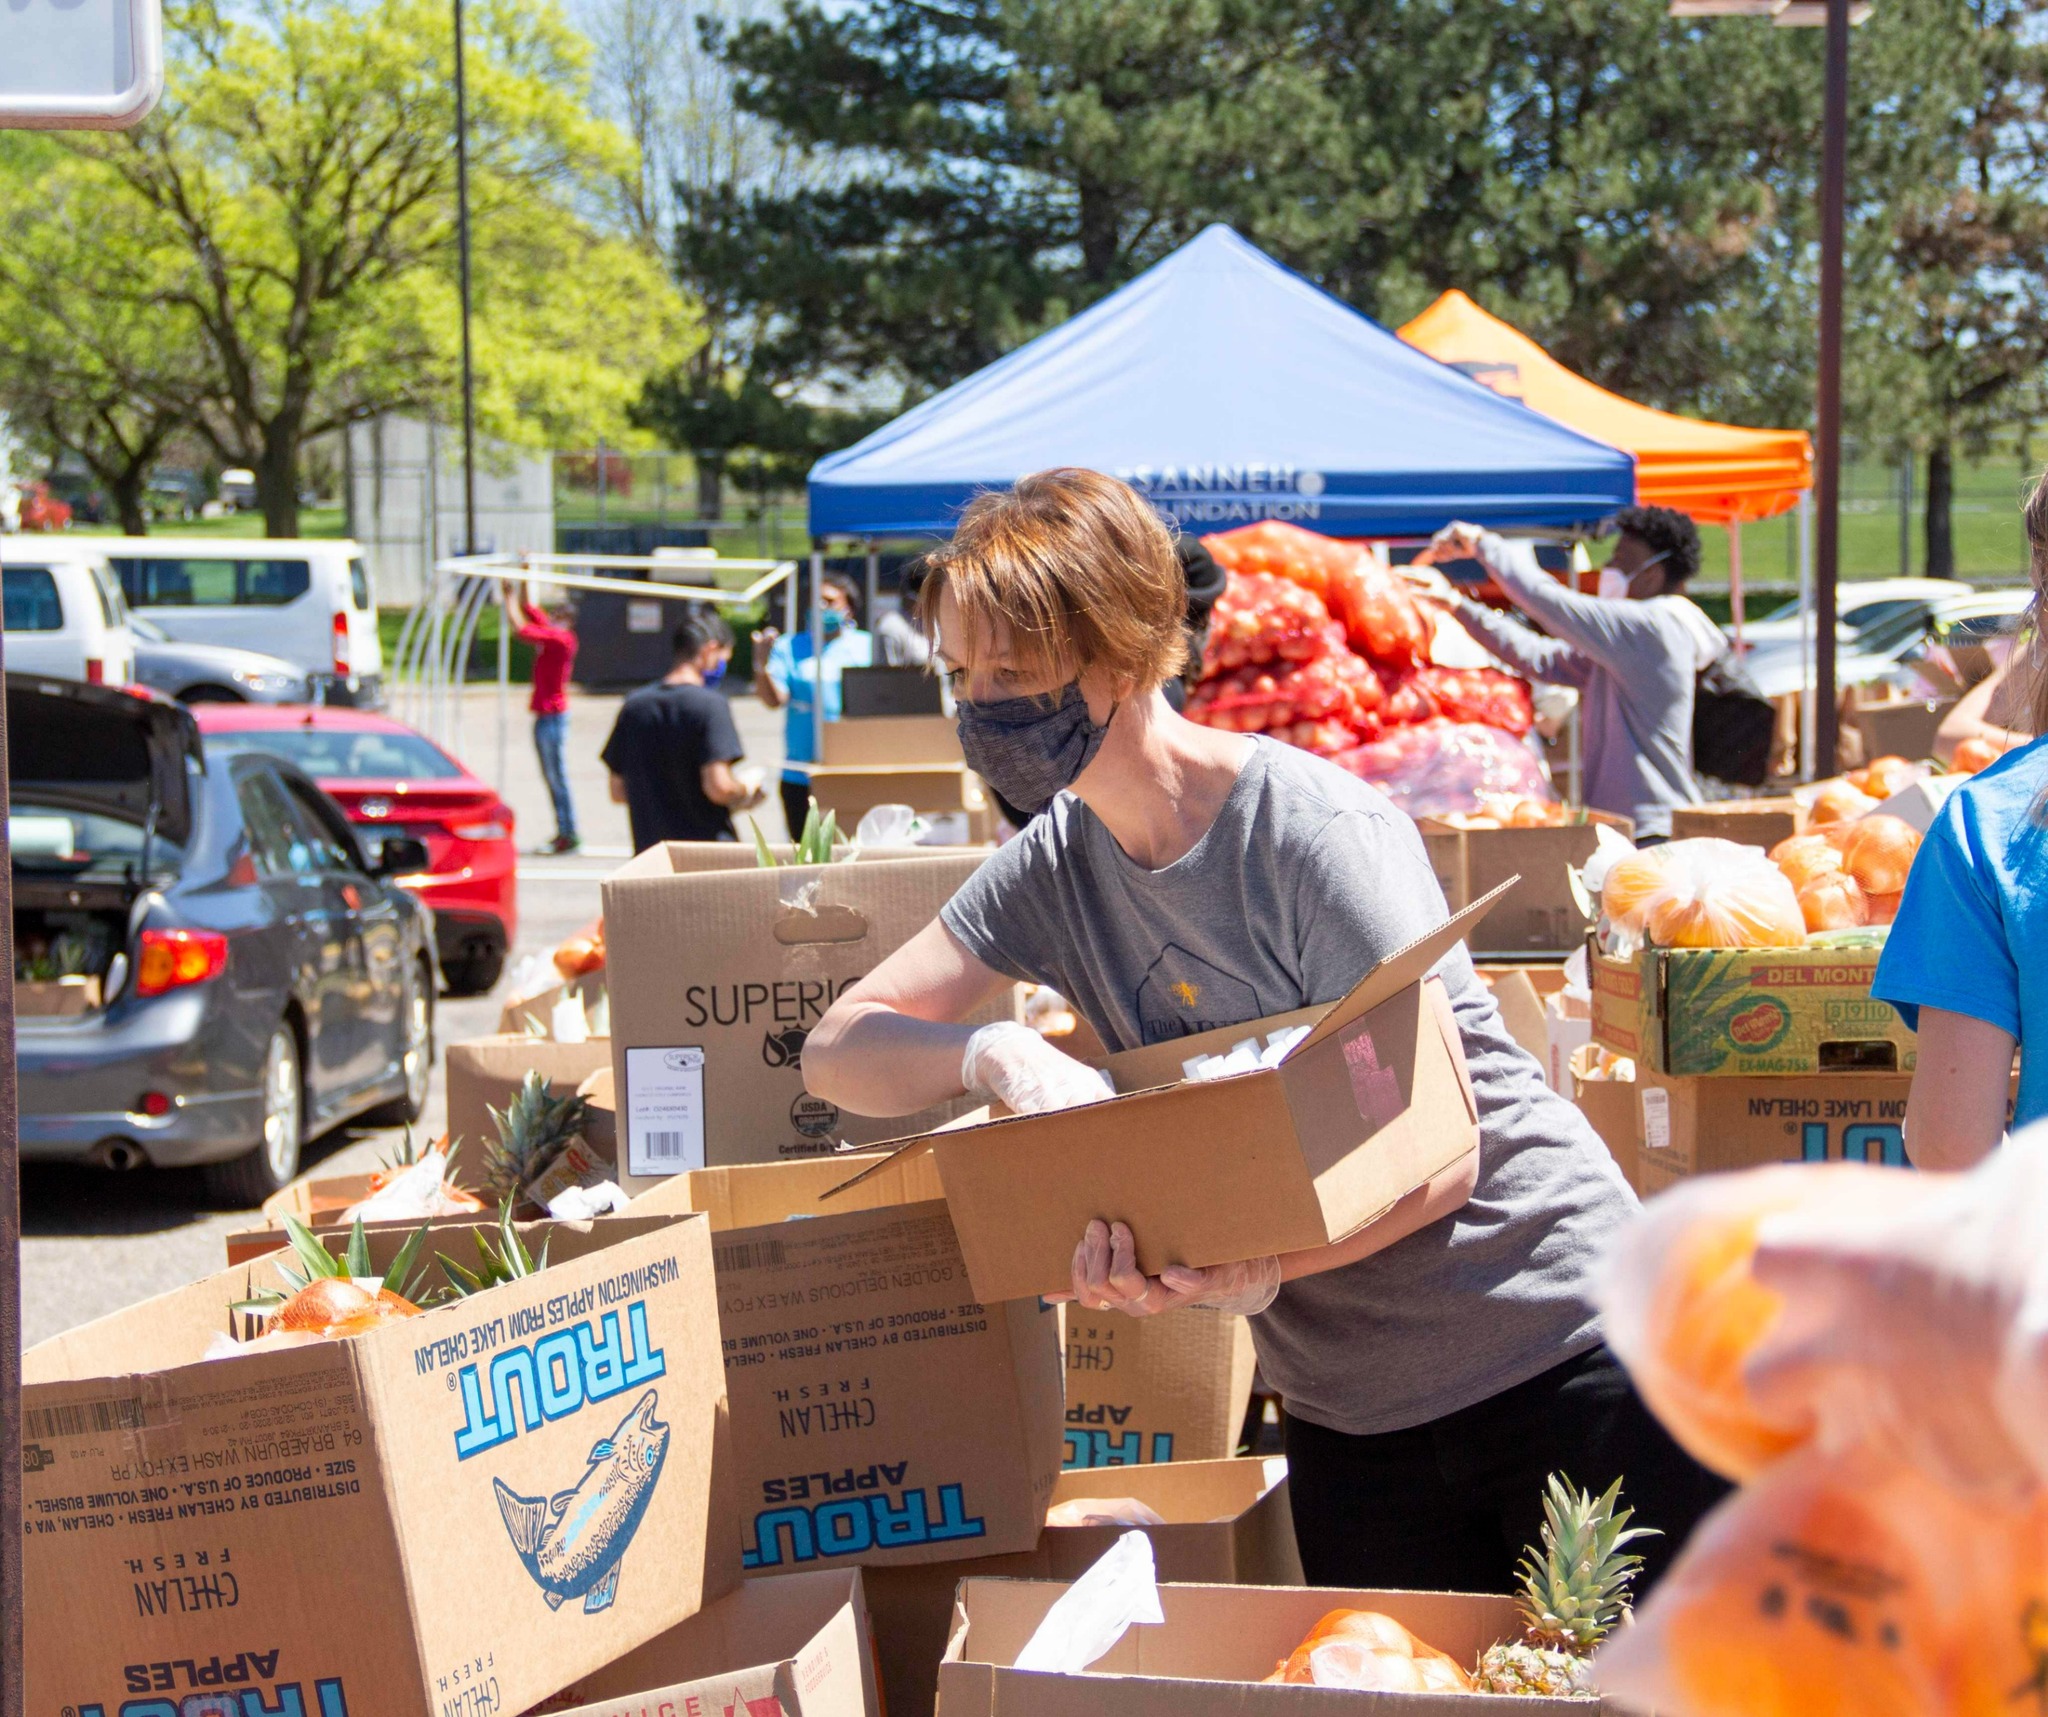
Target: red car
(391, 780)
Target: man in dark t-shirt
(673, 746)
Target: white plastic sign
(80, 64)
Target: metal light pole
(1838, 16)
(469, 543)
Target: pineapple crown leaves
(820, 834)
(1576, 1589)
(403, 1277)
(505, 1260)
(529, 1129)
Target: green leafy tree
(295, 192)
(1950, 290)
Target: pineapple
(532, 1129)
(1573, 1593)
(506, 1260)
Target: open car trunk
(99, 808)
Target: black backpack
(1734, 725)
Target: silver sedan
(213, 673)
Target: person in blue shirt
(786, 673)
(1966, 963)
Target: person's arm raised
(893, 1044)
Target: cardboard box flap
(1398, 970)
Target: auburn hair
(1079, 572)
(2030, 643)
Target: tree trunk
(277, 480)
(1941, 537)
(710, 484)
(126, 490)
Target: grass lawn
(326, 522)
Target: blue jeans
(550, 735)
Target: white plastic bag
(1092, 1614)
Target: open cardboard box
(1140, 1390)
(891, 741)
(56, 998)
(1370, 1105)
(365, 1524)
(1226, 1523)
(719, 972)
(1538, 914)
(853, 790)
(880, 1415)
(1211, 1655)
(793, 1647)
(1610, 1105)
(535, 1016)
(484, 1073)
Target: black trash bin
(623, 640)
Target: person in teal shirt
(1966, 963)
(786, 674)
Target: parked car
(1880, 649)
(1859, 603)
(213, 673)
(393, 781)
(63, 612)
(305, 600)
(207, 969)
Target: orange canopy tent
(1718, 473)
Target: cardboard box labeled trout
(1739, 1011)
(880, 1413)
(1143, 1390)
(794, 1647)
(366, 1526)
(1211, 1656)
(1368, 1106)
(1225, 1523)
(719, 971)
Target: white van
(64, 614)
(307, 601)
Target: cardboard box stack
(365, 1524)
(1748, 1056)
(909, 760)
(718, 971)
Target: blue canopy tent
(1227, 389)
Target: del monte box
(451, 1514)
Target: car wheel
(248, 1180)
(476, 975)
(416, 1056)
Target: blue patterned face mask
(1030, 748)
(715, 673)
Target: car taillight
(95, 671)
(341, 646)
(499, 828)
(172, 959)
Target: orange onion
(1833, 900)
(1879, 852)
(1804, 857)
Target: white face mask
(1613, 584)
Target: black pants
(1448, 1506)
(796, 805)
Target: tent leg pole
(1735, 577)
(1806, 710)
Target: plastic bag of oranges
(1848, 1587)
(1710, 894)
(1684, 1311)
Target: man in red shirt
(549, 631)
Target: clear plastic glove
(1016, 1067)
(1921, 1332)
(1456, 541)
(1107, 1279)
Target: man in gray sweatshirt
(1634, 653)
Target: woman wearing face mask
(786, 676)
(1438, 1365)
(1634, 653)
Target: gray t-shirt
(1306, 880)
(1635, 665)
